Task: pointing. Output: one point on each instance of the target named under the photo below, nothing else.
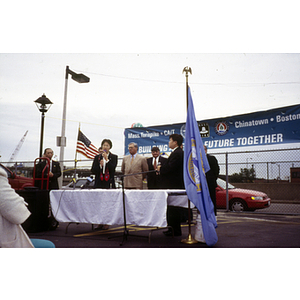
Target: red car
(240, 199)
(17, 182)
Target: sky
(243, 59)
(127, 88)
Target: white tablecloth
(143, 207)
(88, 206)
(98, 206)
(178, 198)
(146, 207)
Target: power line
(134, 78)
(246, 84)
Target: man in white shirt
(154, 178)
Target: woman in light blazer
(13, 212)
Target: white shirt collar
(153, 158)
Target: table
(98, 206)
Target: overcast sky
(130, 88)
(145, 84)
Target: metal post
(63, 130)
(42, 134)
(227, 197)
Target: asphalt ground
(88, 264)
(235, 230)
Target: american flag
(85, 146)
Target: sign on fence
(274, 126)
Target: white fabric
(13, 212)
(88, 206)
(199, 236)
(178, 198)
(99, 206)
(146, 208)
(103, 167)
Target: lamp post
(43, 104)
(61, 140)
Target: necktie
(154, 165)
(131, 159)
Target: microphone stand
(126, 232)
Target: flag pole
(75, 166)
(189, 239)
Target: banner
(270, 127)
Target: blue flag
(195, 167)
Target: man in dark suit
(211, 177)
(172, 178)
(154, 178)
(54, 171)
(172, 170)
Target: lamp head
(43, 104)
(80, 78)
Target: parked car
(240, 199)
(17, 182)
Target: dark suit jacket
(53, 183)
(213, 174)
(110, 167)
(154, 179)
(172, 171)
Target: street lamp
(61, 140)
(43, 104)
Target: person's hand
(50, 174)
(104, 154)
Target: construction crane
(15, 153)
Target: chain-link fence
(275, 173)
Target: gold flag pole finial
(187, 70)
(189, 240)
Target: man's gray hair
(134, 144)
